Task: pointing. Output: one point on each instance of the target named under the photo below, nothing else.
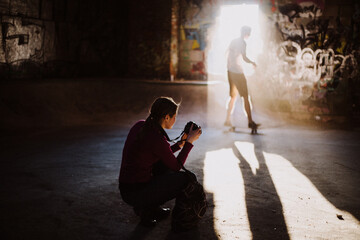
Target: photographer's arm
(179, 144)
(167, 156)
(175, 147)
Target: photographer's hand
(181, 143)
(193, 135)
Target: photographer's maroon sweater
(138, 158)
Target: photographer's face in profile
(168, 121)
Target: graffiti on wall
(154, 57)
(197, 17)
(21, 40)
(312, 55)
(309, 65)
(193, 50)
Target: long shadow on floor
(264, 208)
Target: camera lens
(188, 126)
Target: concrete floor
(288, 182)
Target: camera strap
(162, 131)
(178, 137)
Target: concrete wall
(47, 38)
(196, 18)
(312, 57)
(149, 39)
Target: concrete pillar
(174, 58)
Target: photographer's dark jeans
(146, 197)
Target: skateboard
(254, 127)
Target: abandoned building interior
(75, 75)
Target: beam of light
(228, 25)
(308, 214)
(246, 149)
(223, 178)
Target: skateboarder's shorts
(237, 82)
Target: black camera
(188, 126)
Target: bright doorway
(227, 27)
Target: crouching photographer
(150, 172)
